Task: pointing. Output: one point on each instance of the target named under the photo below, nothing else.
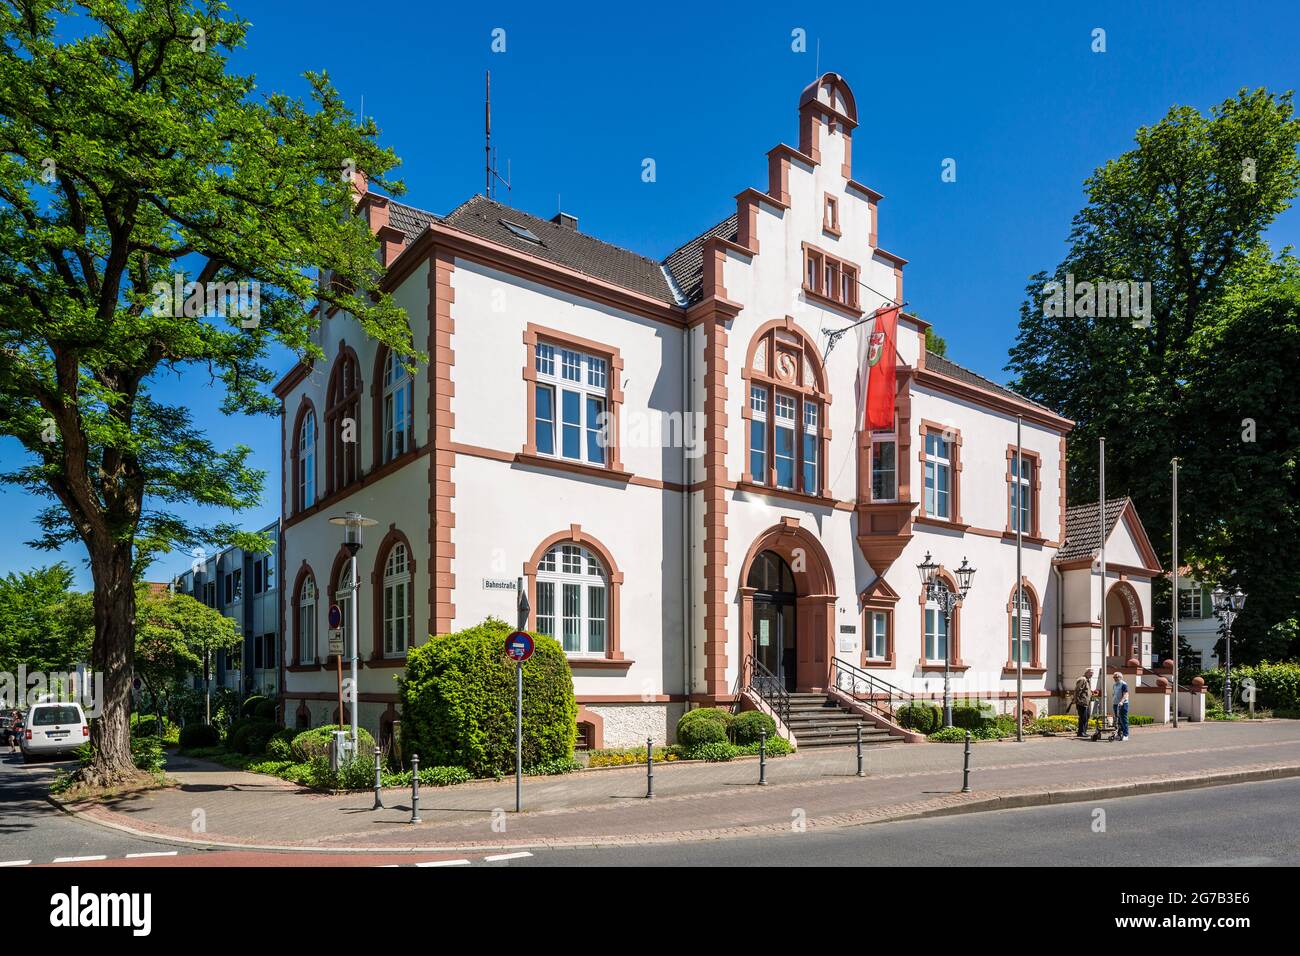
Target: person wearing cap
(1082, 698)
(1119, 703)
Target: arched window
(572, 599)
(307, 621)
(343, 592)
(785, 406)
(397, 602)
(398, 408)
(1022, 628)
(343, 423)
(305, 479)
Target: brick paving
(815, 789)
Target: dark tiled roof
(687, 263)
(937, 363)
(410, 220)
(562, 245)
(1082, 533)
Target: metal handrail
(769, 688)
(878, 696)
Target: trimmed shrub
(150, 725)
(745, 726)
(975, 715)
(280, 746)
(251, 736)
(310, 744)
(775, 747)
(430, 777)
(249, 707)
(704, 725)
(714, 752)
(628, 756)
(956, 735)
(553, 767)
(199, 735)
(458, 701)
(266, 709)
(923, 717)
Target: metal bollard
(965, 770)
(649, 768)
(762, 756)
(860, 771)
(379, 804)
(415, 789)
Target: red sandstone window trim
(830, 280)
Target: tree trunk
(112, 657)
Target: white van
(53, 728)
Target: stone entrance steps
(818, 721)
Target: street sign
(336, 641)
(336, 616)
(519, 646)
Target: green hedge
(249, 707)
(1277, 686)
(975, 715)
(924, 718)
(745, 727)
(250, 735)
(703, 726)
(311, 744)
(458, 701)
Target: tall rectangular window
(878, 646)
(936, 634)
(1022, 640)
(811, 444)
(938, 475)
(1022, 496)
(884, 467)
(783, 435)
(544, 426)
(758, 434)
(572, 620)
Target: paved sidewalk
(819, 788)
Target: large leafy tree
(44, 624)
(1206, 374)
(129, 156)
(175, 636)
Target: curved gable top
(831, 91)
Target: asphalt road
(1253, 824)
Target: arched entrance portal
(787, 606)
(775, 635)
(1124, 623)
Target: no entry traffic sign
(519, 646)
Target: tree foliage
(1206, 374)
(44, 624)
(131, 159)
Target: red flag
(882, 353)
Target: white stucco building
(736, 511)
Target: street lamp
(1227, 607)
(353, 523)
(946, 599)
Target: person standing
(1082, 698)
(1119, 702)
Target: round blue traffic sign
(519, 646)
(336, 616)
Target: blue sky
(583, 93)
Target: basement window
(523, 232)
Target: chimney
(565, 220)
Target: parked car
(54, 728)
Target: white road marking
(139, 856)
(15, 862)
(78, 859)
(505, 856)
(445, 863)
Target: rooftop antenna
(491, 176)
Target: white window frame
(781, 402)
(587, 376)
(933, 612)
(565, 567)
(1023, 643)
(758, 413)
(1022, 493)
(396, 597)
(307, 647)
(878, 622)
(399, 389)
(811, 429)
(1198, 602)
(936, 465)
(307, 460)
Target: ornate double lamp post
(938, 592)
(1227, 607)
(353, 523)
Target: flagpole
(1101, 522)
(1173, 602)
(1020, 588)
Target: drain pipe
(1060, 629)
(688, 518)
